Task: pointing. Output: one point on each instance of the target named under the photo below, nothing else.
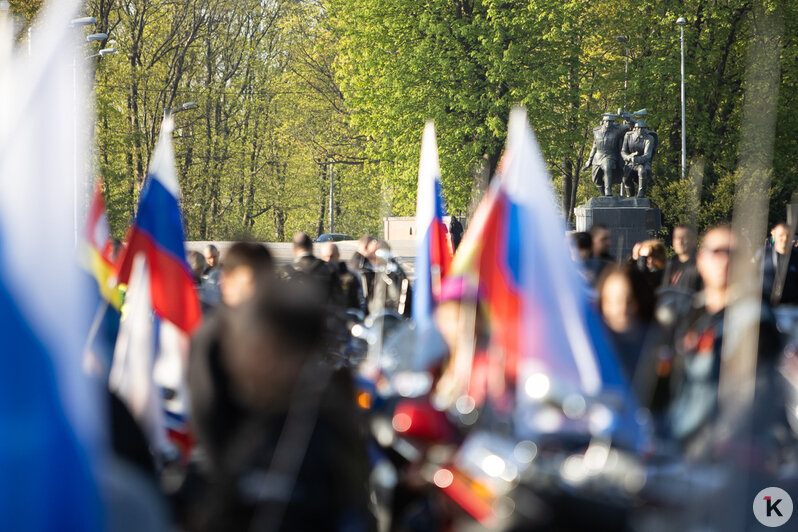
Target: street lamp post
(94, 37)
(332, 198)
(681, 22)
(185, 107)
(104, 51)
(623, 39)
(76, 23)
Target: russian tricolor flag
(433, 246)
(544, 333)
(152, 353)
(157, 233)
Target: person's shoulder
(356, 261)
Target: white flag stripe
(131, 375)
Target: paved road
(403, 250)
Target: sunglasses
(716, 251)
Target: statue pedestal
(630, 220)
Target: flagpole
(75, 147)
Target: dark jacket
(698, 345)
(246, 486)
(682, 275)
(770, 260)
(308, 268)
(351, 288)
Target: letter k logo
(777, 507)
(773, 506)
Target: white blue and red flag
(51, 431)
(157, 233)
(433, 246)
(544, 332)
(155, 348)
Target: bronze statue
(638, 150)
(605, 155)
(628, 125)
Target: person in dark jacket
(309, 268)
(391, 289)
(779, 266)
(699, 346)
(456, 231)
(360, 263)
(350, 281)
(680, 270)
(602, 241)
(626, 302)
(295, 458)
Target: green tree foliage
(26, 9)
(465, 63)
(254, 156)
(288, 90)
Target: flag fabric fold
(97, 258)
(544, 330)
(433, 246)
(131, 376)
(162, 343)
(157, 233)
(51, 433)
(98, 249)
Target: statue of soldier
(628, 125)
(638, 149)
(605, 154)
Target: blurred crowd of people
(348, 285)
(281, 441)
(666, 318)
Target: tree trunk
(322, 198)
(279, 213)
(567, 189)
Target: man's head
(624, 297)
(714, 257)
(267, 340)
(601, 240)
(330, 253)
(780, 234)
(303, 245)
(246, 267)
(684, 240)
(583, 244)
(197, 264)
(211, 254)
(363, 244)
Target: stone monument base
(630, 220)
